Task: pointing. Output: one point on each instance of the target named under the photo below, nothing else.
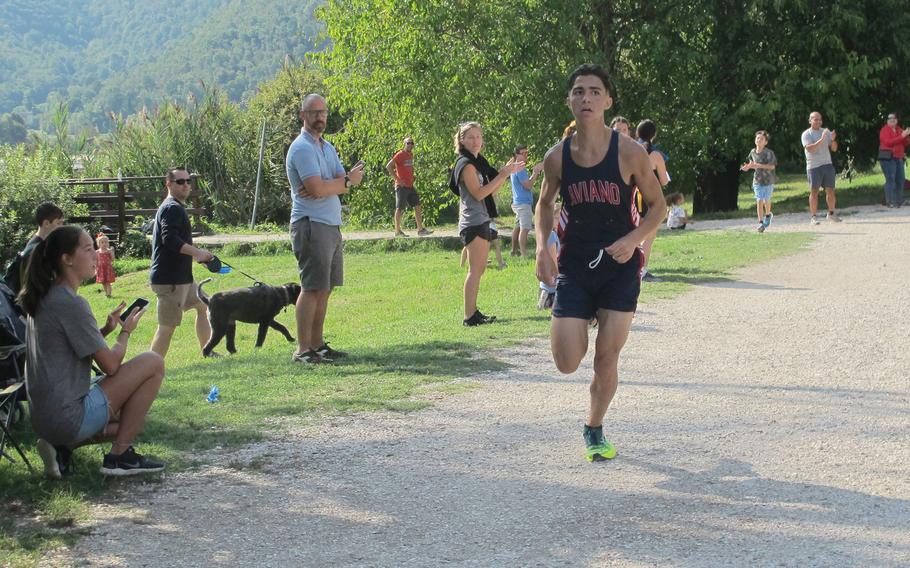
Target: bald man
(317, 178)
(818, 143)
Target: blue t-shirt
(520, 195)
(307, 158)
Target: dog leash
(256, 281)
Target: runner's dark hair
(591, 69)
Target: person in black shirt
(49, 217)
(171, 275)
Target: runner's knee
(567, 362)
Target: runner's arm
(652, 194)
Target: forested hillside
(121, 55)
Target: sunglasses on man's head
(182, 181)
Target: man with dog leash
(317, 179)
(171, 275)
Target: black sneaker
(327, 352)
(478, 319)
(310, 357)
(129, 463)
(65, 459)
(486, 318)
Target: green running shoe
(598, 448)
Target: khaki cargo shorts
(173, 300)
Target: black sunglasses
(182, 181)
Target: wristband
(347, 181)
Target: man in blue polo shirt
(317, 178)
(523, 201)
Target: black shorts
(483, 231)
(406, 196)
(581, 290)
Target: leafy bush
(28, 177)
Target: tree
(12, 129)
(709, 72)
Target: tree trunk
(717, 190)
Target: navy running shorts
(582, 290)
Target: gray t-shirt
(60, 339)
(471, 212)
(762, 176)
(822, 155)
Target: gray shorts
(406, 196)
(318, 249)
(822, 176)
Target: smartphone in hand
(359, 164)
(137, 304)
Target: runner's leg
(612, 332)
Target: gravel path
(759, 422)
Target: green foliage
(27, 179)
(102, 57)
(134, 244)
(709, 73)
(12, 129)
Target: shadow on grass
(690, 276)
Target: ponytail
(43, 265)
(646, 131)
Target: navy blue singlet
(598, 207)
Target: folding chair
(11, 348)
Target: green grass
(791, 195)
(399, 316)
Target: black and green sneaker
(598, 448)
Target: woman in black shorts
(477, 182)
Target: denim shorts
(97, 411)
(762, 192)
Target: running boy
(763, 162)
(595, 170)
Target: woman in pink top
(892, 141)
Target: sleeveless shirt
(598, 206)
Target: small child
(763, 162)
(677, 219)
(104, 264)
(547, 292)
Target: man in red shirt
(401, 167)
